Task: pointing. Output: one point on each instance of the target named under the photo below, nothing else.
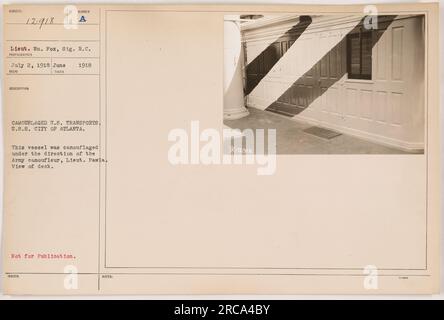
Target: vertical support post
(234, 105)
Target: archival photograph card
(221, 149)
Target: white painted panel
(396, 103)
(366, 103)
(341, 102)
(381, 58)
(397, 39)
(333, 99)
(352, 101)
(381, 106)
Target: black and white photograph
(328, 84)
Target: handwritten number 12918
(40, 21)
